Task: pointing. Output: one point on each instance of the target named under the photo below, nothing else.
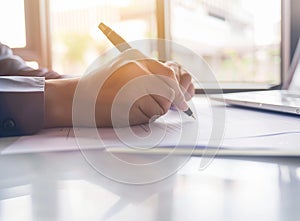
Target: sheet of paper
(233, 128)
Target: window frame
(38, 46)
(38, 41)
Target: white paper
(244, 130)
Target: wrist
(58, 102)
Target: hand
(146, 86)
(42, 72)
(138, 94)
(184, 78)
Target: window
(12, 23)
(240, 39)
(76, 40)
(24, 27)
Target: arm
(149, 88)
(28, 113)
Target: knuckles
(165, 107)
(169, 72)
(186, 78)
(131, 64)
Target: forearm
(58, 102)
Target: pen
(122, 45)
(114, 38)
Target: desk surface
(63, 186)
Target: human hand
(131, 90)
(42, 72)
(136, 92)
(184, 78)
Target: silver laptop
(286, 100)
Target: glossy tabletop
(64, 186)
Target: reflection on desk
(62, 186)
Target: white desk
(63, 186)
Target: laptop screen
(294, 82)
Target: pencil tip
(193, 116)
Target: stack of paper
(231, 131)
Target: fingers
(155, 105)
(52, 75)
(190, 92)
(185, 80)
(147, 84)
(175, 67)
(156, 67)
(187, 86)
(148, 108)
(134, 89)
(168, 76)
(156, 102)
(183, 92)
(42, 72)
(136, 116)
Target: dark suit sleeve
(22, 105)
(21, 98)
(10, 64)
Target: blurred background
(240, 39)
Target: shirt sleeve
(21, 105)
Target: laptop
(286, 100)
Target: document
(229, 129)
